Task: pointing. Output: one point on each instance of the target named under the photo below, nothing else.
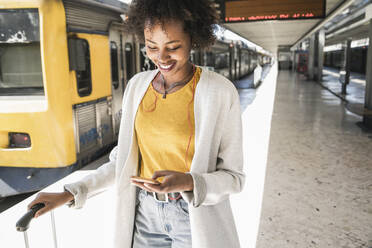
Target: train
(64, 66)
(336, 59)
(234, 60)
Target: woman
(181, 124)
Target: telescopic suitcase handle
(24, 222)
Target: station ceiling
(271, 34)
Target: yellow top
(165, 129)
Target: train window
(129, 60)
(20, 57)
(222, 60)
(114, 64)
(253, 60)
(79, 56)
(209, 59)
(20, 69)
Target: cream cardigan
(217, 165)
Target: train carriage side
(122, 60)
(221, 58)
(60, 105)
(248, 60)
(216, 58)
(336, 59)
(229, 59)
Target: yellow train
(64, 65)
(63, 70)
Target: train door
(244, 66)
(236, 62)
(253, 61)
(130, 61)
(241, 64)
(89, 56)
(232, 70)
(248, 61)
(251, 67)
(117, 75)
(95, 74)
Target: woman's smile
(166, 67)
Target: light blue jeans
(161, 224)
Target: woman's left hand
(173, 181)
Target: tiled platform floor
(318, 185)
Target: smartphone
(144, 180)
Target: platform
(318, 182)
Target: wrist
(190, 184)
(68, 196)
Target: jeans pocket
(183, 207)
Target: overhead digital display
(266, 10)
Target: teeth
(165, 66)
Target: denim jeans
(161, 224)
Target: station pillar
(310, 65)
(320, 52)
(346, 65)
(367, 118)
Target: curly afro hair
(199, 18)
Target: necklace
(166, 90)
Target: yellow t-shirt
(165, 129)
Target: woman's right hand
(51, 201)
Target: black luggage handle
(24, 222)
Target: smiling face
(168, 46)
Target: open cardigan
(216, 168)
